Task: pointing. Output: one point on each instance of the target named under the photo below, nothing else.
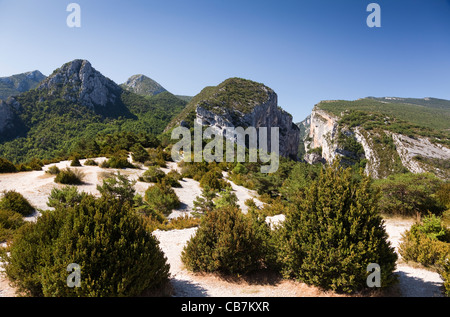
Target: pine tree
(205, 202)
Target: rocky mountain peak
(238, 102)
(16, 84)
(143, 85)
(79, 82)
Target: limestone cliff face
(384, 152)
(322, 135)
(262, 114)
(414, 154)
(80, 83)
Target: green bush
(445, 273)
(240, 169)
(226, 242)
(14, 201)
(117, 256)
(139, 153)
(90, 162)
(53, 170)
(117, 162)
(70, 177)
(421, 244)
(6, 166)
(157, 157)
(213, 179)
(152, 175)
(205, 202)
(118, 187)
(331, 236)
(68, 196)
(75, 162)
(408, 194)
(162, 198)
(432, 226)
(10, 221)
(226, 198)
(194, 170)
(173, 178)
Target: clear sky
(306, 50)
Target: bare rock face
(418, 154)
(409, 149)
(322, 133)
(262, 114)
(82, 84)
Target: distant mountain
(16, 84)
(143, 85)
(385, 135)
(76, 101)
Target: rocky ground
(36, 186)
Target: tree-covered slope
(16, 84)
(76, 102)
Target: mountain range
(16, 84)
(44, 117)
(77, 101)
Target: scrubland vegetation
(333, 224)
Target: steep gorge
(372, 141)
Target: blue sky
(306, 50)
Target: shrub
(162, 198)
(6, 166)
(117, 162)
(432, 227)
(10, 221)
(225, 242)
(179, 223)
(407, 194)
(75, 162)
(157, 157)
(70, 177)
(443, 195)
(68, 196)
(205, 202)
(173, 178)
(213, 179)
(334, 233)
(118, 187)
(421, 243)
(14, 201)
(117, 256)
(445, 273)
(226, 198)
(90, 162)
(240, 169)
(194, 170)
(139, 153)
(53, 170)
(152, 175)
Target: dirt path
(413, 281)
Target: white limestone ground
(37, 185)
